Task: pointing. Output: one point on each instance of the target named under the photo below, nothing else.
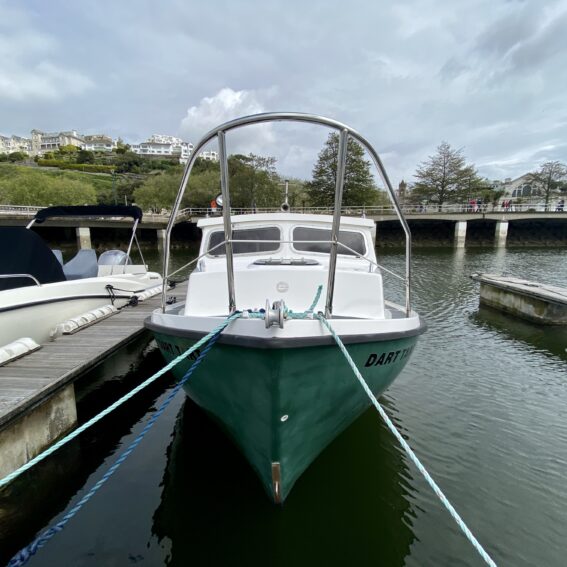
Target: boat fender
(17, 349)
(82, 321)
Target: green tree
(69, 149)
(253, 181)
(445, 177)
(85, 156)
(202, 189)
(121, 147)
(129, 162)
(202, 164)
(33, 188)
(549, 179)
(359, 189)
(17, 156)
(157, 192)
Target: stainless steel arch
(345, 132)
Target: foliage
(93, 168)
(549, 179)
(33, 188)
(85, 156)
(359, 188)
(157, 192)
(129, 162)
(253, 181)
(202, 164)
(17, 156)
(121, 147)
(445, 177)
(68, 149)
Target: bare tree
(549, 179)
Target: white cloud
(222, 107)
(226, 105)
(28, 66)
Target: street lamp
(114, 188)
(285, 205)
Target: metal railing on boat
(345, 133)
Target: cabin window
(310, 236)
(259, 240)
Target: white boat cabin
(285, 256)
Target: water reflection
(548, 340)
(32, 501)
(350, 507)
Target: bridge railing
(19, 210)
(29, 212)
(453, 208)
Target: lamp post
(114, 188)
(285, 205)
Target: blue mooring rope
(25, 554)
(454, 514)
(76, 432)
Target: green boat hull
(282, 407)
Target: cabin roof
(295, 218)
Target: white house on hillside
(98, 143)
(14, 144)
(42, 142)
(159, 145)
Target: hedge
(89, 167)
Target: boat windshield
(260, 240)
(306, 239)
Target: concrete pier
(83, 237)
(501, 234)
(460, 234)
(37, 429)
(161, 239)
(533, 301)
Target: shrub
(88, 167)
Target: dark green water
(483, 402)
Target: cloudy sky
(488, 76)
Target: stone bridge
(457, 218)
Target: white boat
(38, 292)
(275, 381)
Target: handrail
(220, 133)
(8, 276)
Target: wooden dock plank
(28, 381)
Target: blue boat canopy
(89, 211)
